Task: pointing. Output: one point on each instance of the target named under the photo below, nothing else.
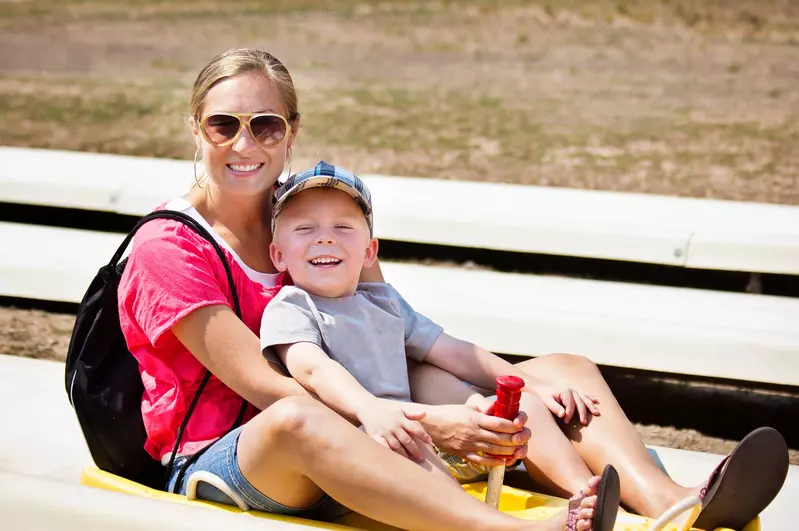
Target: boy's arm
(388, 422)
(426, 341)
(480, 367)
(326, 378)
(291, 335)
(471, 363)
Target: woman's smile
(245, 170)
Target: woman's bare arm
(459, 429)
(372, 273)
(232, 352)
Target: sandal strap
(712, 479)
(574, 508)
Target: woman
(291, 452)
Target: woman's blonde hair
(237, 61)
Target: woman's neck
(237, 214)
(243, 222)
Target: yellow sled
(519, 503)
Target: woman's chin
(244, 186)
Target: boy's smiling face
(322, 239)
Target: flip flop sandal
(607, 503)
(745, 482)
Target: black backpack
(103, 380)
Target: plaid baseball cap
(324, 175)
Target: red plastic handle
(509, 392)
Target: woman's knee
(576, 361)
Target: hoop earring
(291, 159)
(196, 179)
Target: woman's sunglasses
(222, 128)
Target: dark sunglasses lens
(220, 128)
(268, 130)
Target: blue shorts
(221, 460)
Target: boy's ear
(370, 256)
(277, 257)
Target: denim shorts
(221, 460)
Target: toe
(588, 502)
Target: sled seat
(517, 502)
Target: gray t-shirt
(369, 333)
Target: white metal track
(696, 233)
(679, 330)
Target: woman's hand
(464, 431)
(564, 402)
(389, 424)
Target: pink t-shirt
(171, 272)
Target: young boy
(347, 342)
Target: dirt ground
(38, 334)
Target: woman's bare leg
(297, 448)
(609, 437)
(552, 461)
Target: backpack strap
(196, 227)
(199, 229)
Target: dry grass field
(658, 96)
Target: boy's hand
(564, 402)
(389, 424)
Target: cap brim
(324, 181)
(320, 181)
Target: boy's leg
(298, 448)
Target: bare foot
(593, 509)
(583, 518)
